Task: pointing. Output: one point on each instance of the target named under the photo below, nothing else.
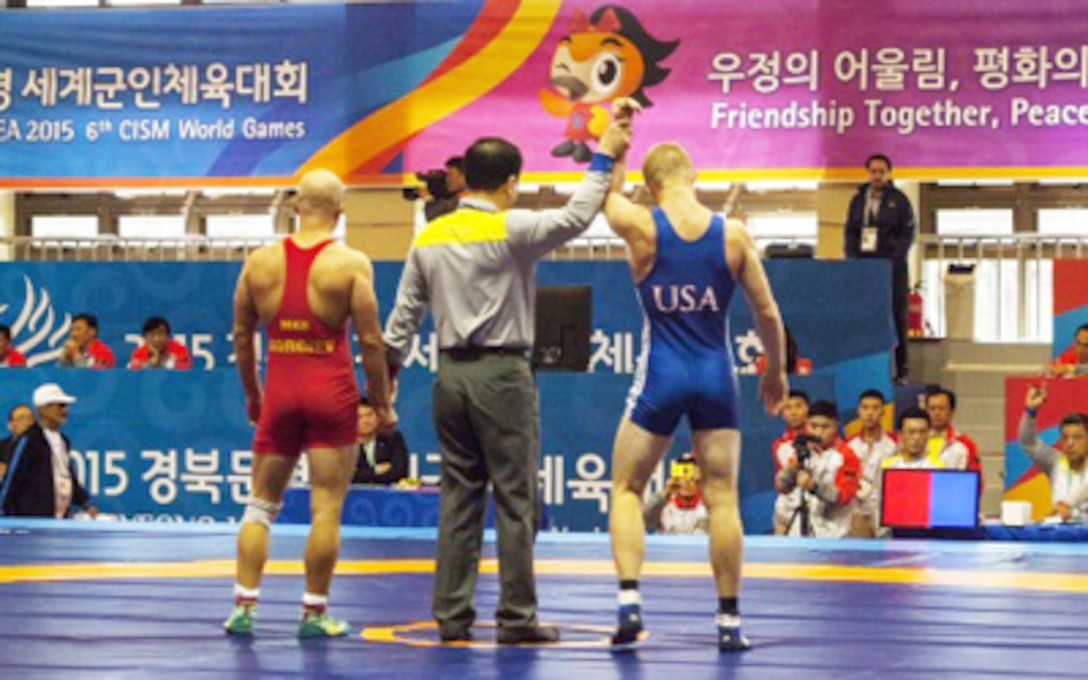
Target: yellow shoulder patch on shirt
(463, 226)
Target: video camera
(682, 469)
(801, 447)
(435, 181)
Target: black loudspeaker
(778, 251)
(564, 320)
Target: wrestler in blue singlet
(686, 365)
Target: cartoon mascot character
(607, 56)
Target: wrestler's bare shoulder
(345, 259)
(736, 232)
(739, 244)
(261, 265)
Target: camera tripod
(802, 514)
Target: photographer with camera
(817, 487)
(795, 416)
(444, 188)
(679, 507)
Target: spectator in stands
(679, 507)
(956, 450)
(383, 459)
(1066, 467)
(41, 480)
(1074, 360)
(83, 349)
(795, 415)
(880, 224)
(821, 478)
(914, 452)
(20, 418)
(160, 350)
(872, 444)
(9, 356)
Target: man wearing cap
(41, 480)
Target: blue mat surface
(814, 609)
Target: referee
(476, 268)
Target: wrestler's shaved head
(666, 162)
(321, 191)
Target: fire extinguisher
(915, 321)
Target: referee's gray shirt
(476, 268)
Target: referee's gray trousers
(487, 417)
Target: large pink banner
(782, 88)
(754, 89)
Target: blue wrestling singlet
(686, 364)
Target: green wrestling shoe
(240, 621)
(322, 625)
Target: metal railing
(613, 248)
(1012, 290)
(130, 249)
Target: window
(599, 229)
(974, 222)
(64, 226)
(783, 226)
(62, 3)
(341, 230)
(994, 295)
(240, 226)
(1063, 221)
(776, 185)
(975, 183)
(151, 226)
(140, 3)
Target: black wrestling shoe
(729, 635)
(521, 635)
(629, 628)
(455, 635)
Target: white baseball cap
(51, 393)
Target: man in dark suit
(383, 459)
(880, 224)
(41, 480)
(20, 418)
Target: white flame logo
(37, 320)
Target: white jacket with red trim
(782, 450)
(958, 452)
(836, 471)
(870, 455)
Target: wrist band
(601, 163)
(1030, 411)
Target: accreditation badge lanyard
(869, 232)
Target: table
(1039, 533)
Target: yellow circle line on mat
(961, 578)
(403, 635)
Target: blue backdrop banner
(156, 445)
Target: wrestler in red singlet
(310, 396)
